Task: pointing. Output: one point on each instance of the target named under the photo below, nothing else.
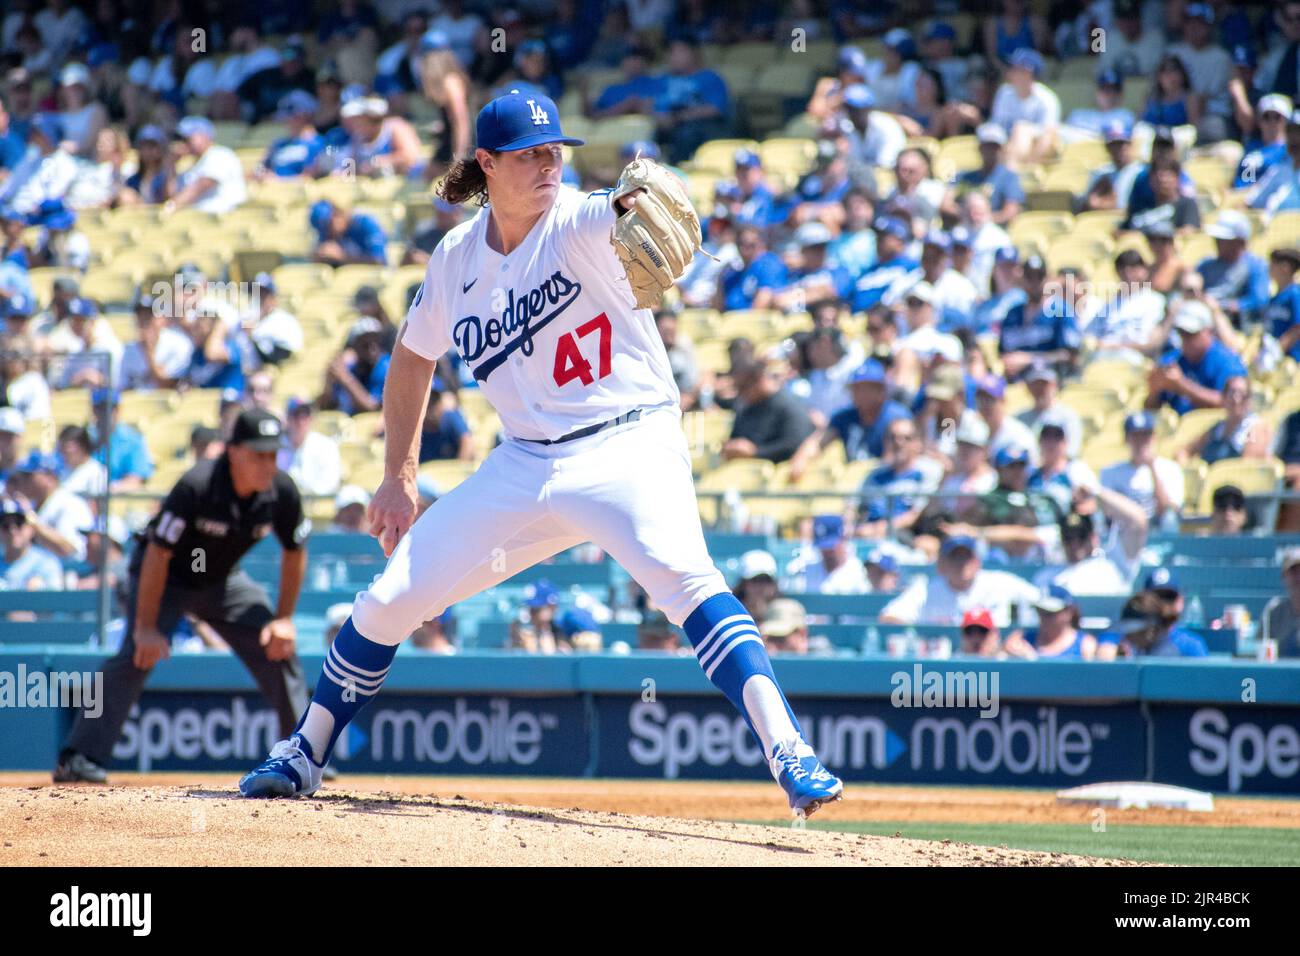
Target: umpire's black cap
(257, 429)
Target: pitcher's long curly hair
(465, 181)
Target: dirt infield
(198, 826)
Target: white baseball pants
(627, 488)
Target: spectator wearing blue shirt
(1173, 102)
(855, 247)
(13, 145)
(24, 566)
(444, 433)
(296, 154)
(1282, 314)
(692, 104)
(129, 461)
(1236, 279)
(1193, 375)
(1008, 293)
(1177, 641)
(344, 238)
(1142, 196)
(860, 426)
(1268, 149)
(13, 249)
(892, 263)
(815, 279)
(636, 93)
(355, 378)
(756, 196)
(753, 283)
(1109, 111)
(896, 490)
(1057, 636)
(216, 360)
(1043, 329)
(1001, 185)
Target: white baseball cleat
(288, 772)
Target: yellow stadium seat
(1251, 476)
(109, 286)
(1049, 224)
(786, 78)
(1100, 221)
(1088, 153)
(1190, 426)
(447, 474)
(747, 474)
(718, 155)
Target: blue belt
(589, 430)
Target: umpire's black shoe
(78, 768)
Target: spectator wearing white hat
(350, 509)
(1236, 279)
(1044, 385)
(215, 183)
(1281, 615)
(1154, 482)
(971, 475)
(1267, 148)
(785, 629)
(1002, 186)
(1194, 374)
(757, 584)
(80, 115)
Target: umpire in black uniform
(185, 564)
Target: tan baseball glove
(657, 239)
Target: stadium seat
(742, 474)
(718, 155)
(1252, 477)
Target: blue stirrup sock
(354, 670)
(731, 652)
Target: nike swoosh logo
(468, 287)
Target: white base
(1138, 796)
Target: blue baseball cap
(645, 147)
(434, 40)
(1199, 11)
(828, 531)
(868, 371)
(82, 307)
(939, 30)
(105, 396)
(851, 58)
(886, 562)
(295, 103)
(10, 214)
(993, 385)
(938, 239)
(746, 158)
(960, 236)
(541, 594)
(859, 97)
(150, 134)
(319, 215)
(265, 282)
(1012, 454)
(575, 620)
(726, 190)
(19, 304)
(519, 121)
(196, 126)
(1243, 55)
(1054, 598)
(1117, 131)
(1139, 422)
(1006, 254)
(1161, 579)
(1026, 58)
(296, 405)
(39, 461)
(892, 226)
(956, 542)
(900, 41)
(1110, 77)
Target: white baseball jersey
(551, 331)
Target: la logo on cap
(540, 116)
(269, 427)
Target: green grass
(1187, 846)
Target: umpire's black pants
(237, 609)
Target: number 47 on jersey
(570, 363)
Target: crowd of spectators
(117, 104)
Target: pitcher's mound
(109, 826)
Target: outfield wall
(1228, 726)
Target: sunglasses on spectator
(975, 631)
(11, 524)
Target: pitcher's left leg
(633, 496)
